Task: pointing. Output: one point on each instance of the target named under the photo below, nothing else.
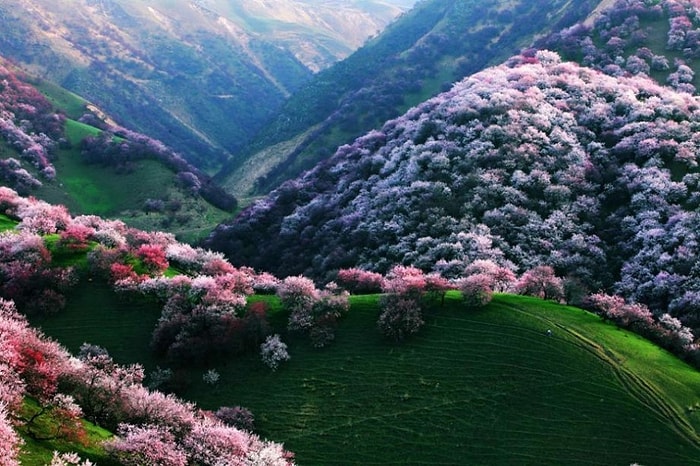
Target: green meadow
(473, 387)
(98, 190)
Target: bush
(236, 416)
(401, 316)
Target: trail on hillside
(639, 388)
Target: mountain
(416, 57)
(203, 76)
(536, 161)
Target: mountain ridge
(416, 57)
(139, 61)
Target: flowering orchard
(152, 428)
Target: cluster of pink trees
(204, 310)
(152, 428)
(358, 281)
(406, 291)
(203, 317)
(481, 278)
(27, 274)
(27, 123)
(311, 311)
(666, 330)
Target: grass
(76, 131)
(474, 387)
(94, 313)
(39, 452)
(70, 103)
(98, 190)
(6, 223)
(93, 189)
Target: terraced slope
(475, 387)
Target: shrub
(401, 316)
(211, 377)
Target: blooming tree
(10, 442)
(477, 290)
(541, 282)
(273, 351)
(146, 446)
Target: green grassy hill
(474, 387)
(101, 190)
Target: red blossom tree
(358, 281)
(153, 258)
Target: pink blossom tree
(360, 281)
(10, 442)
(153, 258)
(401, 305)
(400, 318)
(477, 290)
(68, 459)
(541, 282)
(146, 446)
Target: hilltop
(536, 161)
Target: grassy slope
(73, 105)
(39, 452)
(93, 189)
(6, 223)
(98, 190)
(96, 314)
(474, 387)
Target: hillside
(484, 387)
(497, 384)
(140, 62)
(531, 162)
(59, 147)
(418, 56)
(659, 39)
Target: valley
(349, 232)
(136, 60)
